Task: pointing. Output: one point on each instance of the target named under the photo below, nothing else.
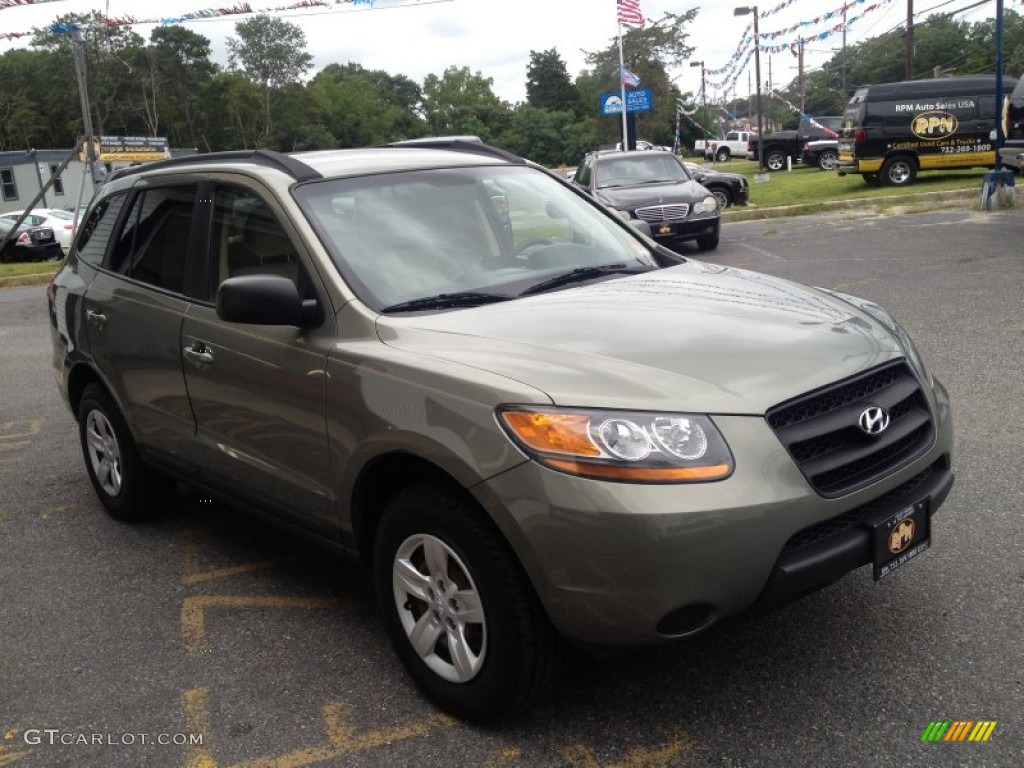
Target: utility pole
(842, 77)
(78, 56)
(909, 73)
(800, 71)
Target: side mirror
(264, 300)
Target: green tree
(548, 85)
(460, 102)
(109, 52)
(549, 137)
(178, 62)
(649, 52)
(361, 107)
(272, 53)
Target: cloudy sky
(494, 37)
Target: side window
(58, 184)
(153, 245)
(95, 230)
(583, 173)
(248, 239)
(10, 187)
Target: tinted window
(154, 241)
(10, 188)
(95, 230)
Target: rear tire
(724, 201)
(775, 160)
(124, 484)
(828, 160)
(899, 171)
(723, 155)
(458, 610)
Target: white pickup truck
(721, 150)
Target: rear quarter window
(95, 231)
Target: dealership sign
(637, 100)
(130, 149)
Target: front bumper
(668, 233)
(618, 565)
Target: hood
(628, 198)
(693, 337)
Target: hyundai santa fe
(535, 425)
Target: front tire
(775, 160)
(457, 608)
(124, 484)
(899, 171)
(707, 242)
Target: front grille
(821, 432)
(656, 213)
(891, 501)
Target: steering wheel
(531, 242)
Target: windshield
(448, 238)
(629, 170)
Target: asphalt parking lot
(206, 639)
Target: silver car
(533, 423)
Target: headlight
(708, 205)
(630, 446)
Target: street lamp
(743, 11)
(703, 92)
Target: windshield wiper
(447, 301)
(579, 275)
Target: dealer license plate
(901, 537)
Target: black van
(1012, 153)
(891, 131)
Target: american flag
(630, 13)
(630, 79)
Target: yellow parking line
(582, 756)
(193, 611)
(194, 573)
(32, 427)
(11, 757)
(49, 512)
(343, 739)
(505, 756)
(196, 703)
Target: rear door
(258, 391)
(133, 311)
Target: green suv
(531, 421)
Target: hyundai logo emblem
(874, 420)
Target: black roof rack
(460, 144)
(297, 169)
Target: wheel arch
(79, 378)
(384, 478)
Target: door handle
(199, 353)
(96, 318)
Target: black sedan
(728, 188)
(28, 243)
(823, 153)
(653, 186)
